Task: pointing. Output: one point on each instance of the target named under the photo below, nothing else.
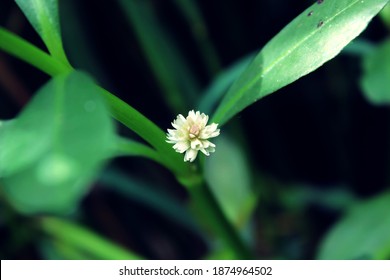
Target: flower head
(190, 135)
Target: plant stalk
(210, 215)
(203, 203)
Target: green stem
(127, 147)
(203, 203)
(29, 53)
(206, 208)
(150, 132)
(68, 252)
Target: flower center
(194, 131)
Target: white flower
(190, 135)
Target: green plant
(51, 153)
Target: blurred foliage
(376, 75)
(385, 15)
(54, 142)
(302, 174)
(229, 176)
(362, 234)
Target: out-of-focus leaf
(51, 152)
(220, 254)
(298, 197)
(311, 39)
(43, 16)
(359, 47)
(228, 174)
(4, 126)
(75, 238)
(375, 81)
(213, 94)
(58, 250)
(169, 67)
(364, 232)
(385, 15)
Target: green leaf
(227, 173)
(43, 16)
(311, 39)
(376, 75)
(301, 196)
(51, 152)
(220, 254)
(127, 147)
(364, 232)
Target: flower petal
(190, 135)
(181, 147)
(209, 131)
(190, 155)
(196, 144)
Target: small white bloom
(190, 135)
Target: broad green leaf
(311, 39)
(119, 109)
(4, 126)
(20, 48)
(375, 81)
(220, 85)
(51, 152)
(364, 232)
(227, 173)
(43, 16)
(168, 65)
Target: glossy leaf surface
(310, 40)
